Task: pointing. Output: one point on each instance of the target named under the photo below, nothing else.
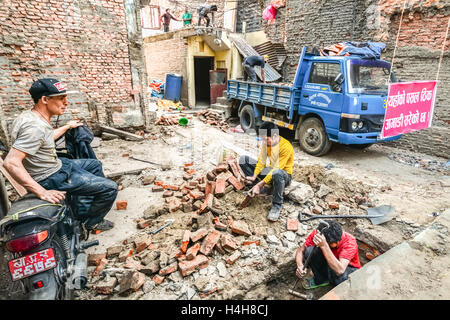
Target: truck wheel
(247, 118)
(313, 138)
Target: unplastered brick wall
(84, 43)
(166, 54)
(319, 23)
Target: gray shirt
(34, 136)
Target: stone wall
(319, 23)
(83, 43)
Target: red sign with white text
(409, 107)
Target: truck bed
(265, 94)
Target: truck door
(322, 95)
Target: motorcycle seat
(31, 207)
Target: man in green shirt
(187, 17)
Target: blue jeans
(280, 178)
(321, 269)
(91, 194)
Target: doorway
(202, 66)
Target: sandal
(274, 213)
(309, 284)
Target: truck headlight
(360, 125)
(354, 125)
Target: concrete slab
(416, 269)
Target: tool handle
(301, 219)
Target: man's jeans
(249, 71)
(321, 269)
(280, 178)
(92, 195)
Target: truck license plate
(34, 263)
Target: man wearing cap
(250, 62)
(33, 161)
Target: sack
(269, 13)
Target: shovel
(377, 215)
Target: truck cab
(347, 94)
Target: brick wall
(324, 22)
(83, 43)
(249, 12)
(165, 54)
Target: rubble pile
(214, 249)
(169, 120)
(213, 118)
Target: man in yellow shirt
(280, 154)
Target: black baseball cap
(48, 87)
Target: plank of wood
(17, 186)
(121, 133)
(122, 173)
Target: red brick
(222, 167)
(220, 187)
(235, 182)
(192, 251)
(246, 243)
(121, 204)
(185, 241)
(171, 187)
(209, 242)
(174, 205)
(219, 248)
(187, 267)
(229, 243)
(210, 187)
(158, 279)
(142, 224)
(132, 280)
(199, 234)
(157, 188)
(95, 259)
(234, 257)
(169, 269)
(207, 204)
(220, 226)
(240, 227)
(234, 168)
(333, 205)
(196, 195)
(224, 175)
(187, 177)
(202, 187)
(101, 265)
(292, 224)
(142, 243)
(167, 193)
(125, 254)
(193, 183)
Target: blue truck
(339, 99)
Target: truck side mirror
(339, 79)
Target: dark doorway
(202, 65)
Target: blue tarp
(365, 50)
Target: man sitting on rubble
(33, 161)
(278, 175)
(334, 256)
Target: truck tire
(313, 138)
(247, 118)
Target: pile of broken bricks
(170, 120)
(139, 258)
(199, 195)
(213, 118)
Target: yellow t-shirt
(280, 156)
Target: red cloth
(347, 248)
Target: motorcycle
(46, 245)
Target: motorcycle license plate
(34, 263)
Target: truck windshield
(368, 76)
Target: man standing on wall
(165, 19)
(203, 11)
(33, 161)
(249, 64)
(187, 17)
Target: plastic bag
(269, 13)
